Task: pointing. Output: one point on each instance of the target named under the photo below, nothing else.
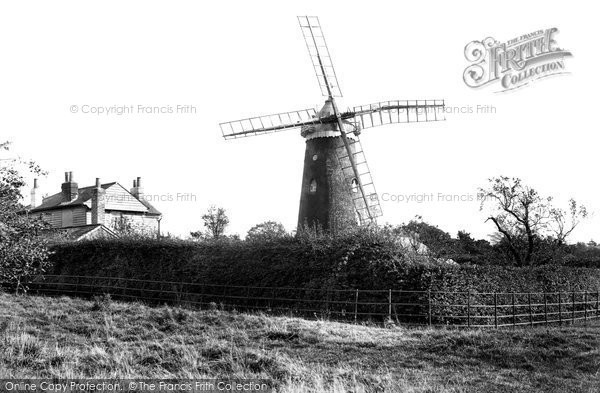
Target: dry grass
(72, 338)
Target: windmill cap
(326, 130)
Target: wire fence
(434, 308)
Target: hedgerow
(365, 260)
(362, 259)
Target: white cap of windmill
(325, 130)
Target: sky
(209, 62)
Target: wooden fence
(434, 308)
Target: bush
(23, 253)
(362, 259)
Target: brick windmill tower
(337, 188)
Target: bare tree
(565, 222)
(523, 217)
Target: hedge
(354, 262)
(357, 261)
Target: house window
(313, 186)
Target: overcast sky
(229, 60)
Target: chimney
(138, 189)
(35, 198)
(98, 203)
(69, 188)
(134, 188)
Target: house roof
(84, 194)
(55, 201)
(80, 232)
(151, 209)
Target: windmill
(337, 187)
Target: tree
(470, 250)
(23, 253)
(215, 222)
(525, 219)
(266, 231)
(126, 228)
(565, 222)
(438, 242)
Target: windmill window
(313, 186)
(354, 187)
(315, 157)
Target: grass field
(73, 338)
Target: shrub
(319, 264)
(361, 259)
(23, 253)
(287, 261)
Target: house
(97, 211)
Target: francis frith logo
(514, 63)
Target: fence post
(530, 311)
(247, 298)
(201, 295)
(546, 308)
(585, 306)
(77, 286)
(123, 291)
(597, 302)
(223, 297)
(429, 307)
(272, 300)
(495, 310)
(161, 292)
(180, 293)
(559, 308)
(138, 288)
(356, 306)
(469, 308)
(573, 310)
(390, 305)
(514, 311)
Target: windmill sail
(319, 55)
(367, 206)
(407, 111)
(269, 123)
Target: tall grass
(73, 338)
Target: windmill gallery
(337, 188)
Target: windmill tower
(337, 187)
